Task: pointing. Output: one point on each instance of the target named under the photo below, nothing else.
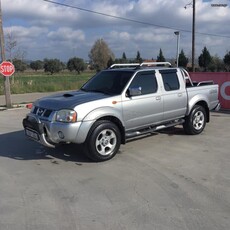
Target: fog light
(61, 135)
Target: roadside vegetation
(50, 75)
(30, 81)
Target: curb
(17, 106)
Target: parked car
(122, 102)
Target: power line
(132, 20)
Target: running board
(153, 129)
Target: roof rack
(124, 65)
(155, 63)
(141, 64)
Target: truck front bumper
(50, 133)
(34, 129)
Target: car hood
(68, 100)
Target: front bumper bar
(35, 130)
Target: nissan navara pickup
(119, 103)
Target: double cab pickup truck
(119, 103)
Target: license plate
(32, 134)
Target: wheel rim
(106, 142)
(198, 120)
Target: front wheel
(195, 122)
(103, 141)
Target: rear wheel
(195, 122)
(103, 141)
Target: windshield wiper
(85, 90)
(100, 91)
(97, 91)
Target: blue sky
(46, 30)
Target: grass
(30, 82)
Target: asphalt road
(165, 181)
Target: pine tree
(160, 57)
(138, 57)
(205, 59)
(227, 61)
(183, 60)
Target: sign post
(7, 69)
(2, 46)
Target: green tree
(53, 65)
(160, 57)
(100, 54)
(36, 65)
(205, 59)
(110, 62)
(76, 64)
(19, 65)
(227, 61)
(216, 64)
(183, 60)
(124, 56)
(138, 57)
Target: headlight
(66, 115)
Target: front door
(144, 109)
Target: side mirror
(134, 91)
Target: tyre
(195, 122)
(103, 141)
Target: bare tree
(11, 44)
(100, 54)
(13, 51)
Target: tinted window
(147, 82)
(110, 82)
(170, 81)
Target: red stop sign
(7, 68)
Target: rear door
(174, 95)
(147, 108)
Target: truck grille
(41, 112)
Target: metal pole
(177, 33)
(193, 35)
(6, 79)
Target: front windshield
(108, 82)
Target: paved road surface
(165, 181)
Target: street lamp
(177, 33)
(193, 4)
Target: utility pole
(193, 34)
(3, 56)
(177, 33)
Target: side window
(170, 81)
(146, 81)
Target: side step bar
(153, 129)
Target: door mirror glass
(134, 91)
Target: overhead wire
(132, 20)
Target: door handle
(158, 98)
(179, 94)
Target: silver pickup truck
(119, 103)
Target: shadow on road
(16, 146)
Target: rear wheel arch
(195, 122)
(205, 106)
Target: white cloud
(45, 29)
(66, 34)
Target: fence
(220, 78)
